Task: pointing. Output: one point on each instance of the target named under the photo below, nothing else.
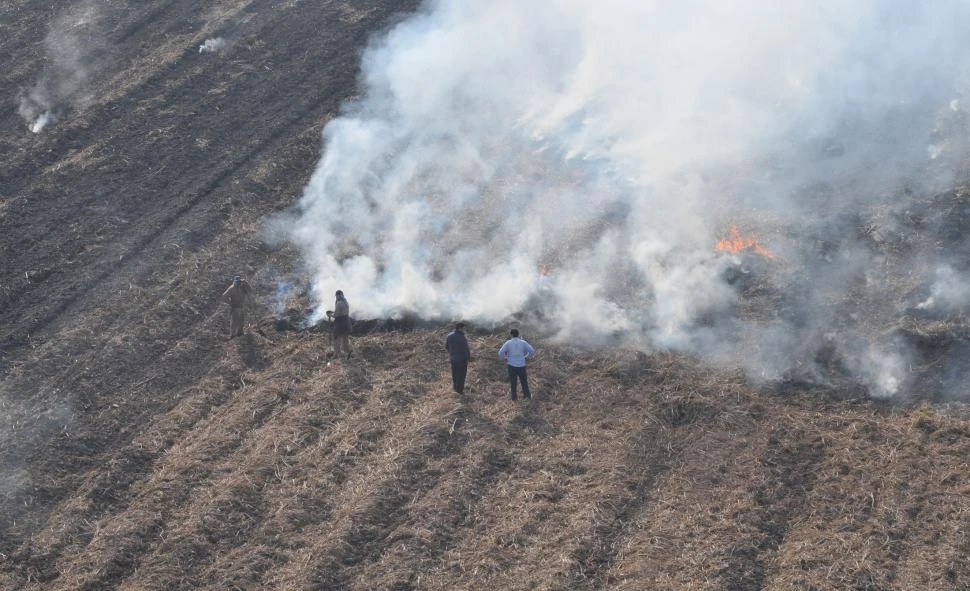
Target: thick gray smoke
(578, 162)
(75, 48)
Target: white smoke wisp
(582, 159)
(12, 481)
(213, 45)
(885, 372)
(950, 292)
(41, 121)
(26, 424)
(74, 51)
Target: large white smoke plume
(75, 49)
(577, 162)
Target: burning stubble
(576, 164)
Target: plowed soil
(142, 449)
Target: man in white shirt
(516, 351)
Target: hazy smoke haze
(579, 161)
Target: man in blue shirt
(457, 346)
(516, 351)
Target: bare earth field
(140, 449)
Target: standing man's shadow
(251, 352)
(531, 420)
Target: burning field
(578, 180)
(909, 318)
(742, 261)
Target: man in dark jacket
(457, 346)
(341, 325)
(238, 296)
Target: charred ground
(141, 450)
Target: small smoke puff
(35, 111)
(284, 293)
(889, 385)
(12, 481)
(955, 105)
(949, 293)
(213, 45)
(41, 122)
(884, 372)
(35, 108)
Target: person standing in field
(517, 352)
(237, 296)
(458, 351)
(341, 325)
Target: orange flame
(736, 243)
